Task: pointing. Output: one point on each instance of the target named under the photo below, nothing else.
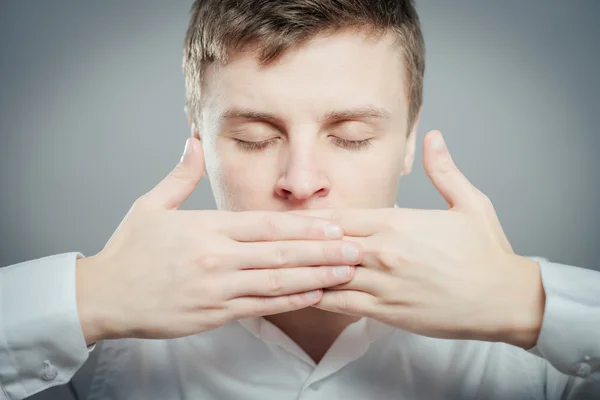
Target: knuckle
(275, 283)
(336, 216)
(484, 202)
(294, 302)
(142, 203)
(311, 229)
(271, 226)
(265, 306)
(445, 165)
(281, 256)
(211, 262)
(180, 172)
(184, 176)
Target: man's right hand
(169, 273)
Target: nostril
(322, 192)
(284, 193)
(302, 186)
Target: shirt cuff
(570, 335)
(40, 332)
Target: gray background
(91, 117)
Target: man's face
(324, 126)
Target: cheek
(378, 166)
(370, 179)
(239, 181)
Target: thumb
(454, 187)
(176, 187)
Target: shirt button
(49, 372)
(583, 369)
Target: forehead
(339, 70)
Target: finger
(176, 187)
(375, 282)
(371, 246)
(348, 302)
(247, 307)
(454, 187)
(296, 253)
(252, 226)
(354, 221)
(277, 282)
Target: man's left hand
(440, 273)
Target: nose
(301, 177)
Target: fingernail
(333, 231)
(351, 253)
(438, 142)
(186, 150)
(342, 271)
(313, 295)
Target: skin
(299, 195)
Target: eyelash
(344, 143)
(254, 145)
(352, 144)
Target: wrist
(91, 316)
(526, 311)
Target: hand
(167, 273)
(440, 273)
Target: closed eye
(246, 145)
(351, 144)
(338, 141)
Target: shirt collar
(369, 328)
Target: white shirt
(42, 346)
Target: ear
(410, 148)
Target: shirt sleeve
(41, 340)
(570, 335)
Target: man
(307, 283)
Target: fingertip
(197, 145)
(313, 296)
(437, 140)
(434, 132)
(343, 272)
(352, 252)
(187, 150)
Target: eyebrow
(356, 113)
